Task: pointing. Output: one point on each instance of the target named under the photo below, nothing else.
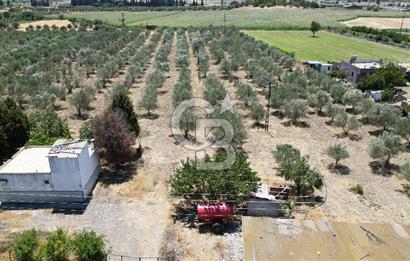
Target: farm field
(379, 23)
(246, 17)
(157, 70)
(329, 46)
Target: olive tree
(332, 110)
(352, 97)
(80, 100)
(384, 115)
(338, 152)
(294, 110)
(226, 68)
(257, 111)
(319, 100)
(346, 122)
(402, 128)
(385, 147)
(149, 99)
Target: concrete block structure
(64, 172)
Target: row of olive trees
(157, 77)
(198, 49)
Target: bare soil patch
(379, 23)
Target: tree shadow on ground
(162, 92)
(278, 114)
(123, 173)
(405, 189)
(66, 208)
(149, 116)
(258, 125)
(379, 168)
(299, 124)
(339, 169)
(376, 133)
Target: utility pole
(402, 21)
(268, 108)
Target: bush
(88, 246)
(257, 112)
(294, 110)
(235, 182)
(352, 97)
(14, 128)
(86, 130)
(286, 153)
(56, 247)
(113, 139)
(385, 147)
(338, 152)
(338, 74)
(46, 127)
(405, 171)
(357, 189)
(332, 110)
(24, 245)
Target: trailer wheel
(217, 228)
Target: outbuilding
(64, 172)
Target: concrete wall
(24, 182)
(88, 165)
(65, 174)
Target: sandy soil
(379, 23)
(58, 23)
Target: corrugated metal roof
(275, 239)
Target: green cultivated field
(249, 18)
(329, 46)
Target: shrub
(385, 147)
(24, 245)
(46, 127)
(149, 99)
(304, 178)
(88, 246)
(338, 74)
(236, 182)
(86, 130)
(294, 110)
(56, 247)
(257, 112)
(214, 91)
(188, 121)
(357, 189)
(43, 99)
(338, 152)
(405, 171)
(285, 153)
(113, 139)
(226, 67)
(337, 92)
(14, 128)
(314, 27)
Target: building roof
(367, 65)
(67, 149)
(28, 160)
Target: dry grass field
(379, 23)
(132, 207)
(58, 23)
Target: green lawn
(329, 46)
(249, 18)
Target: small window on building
(46, 182)
(352, 74)
(4, 182)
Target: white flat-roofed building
(64, 172)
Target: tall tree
(314, 27)
(121, 103)
(14, 128)
(113, 139)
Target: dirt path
(379, 22)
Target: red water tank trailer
(214, 211)
(215, 214)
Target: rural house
(64, 172)
(356, 70)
